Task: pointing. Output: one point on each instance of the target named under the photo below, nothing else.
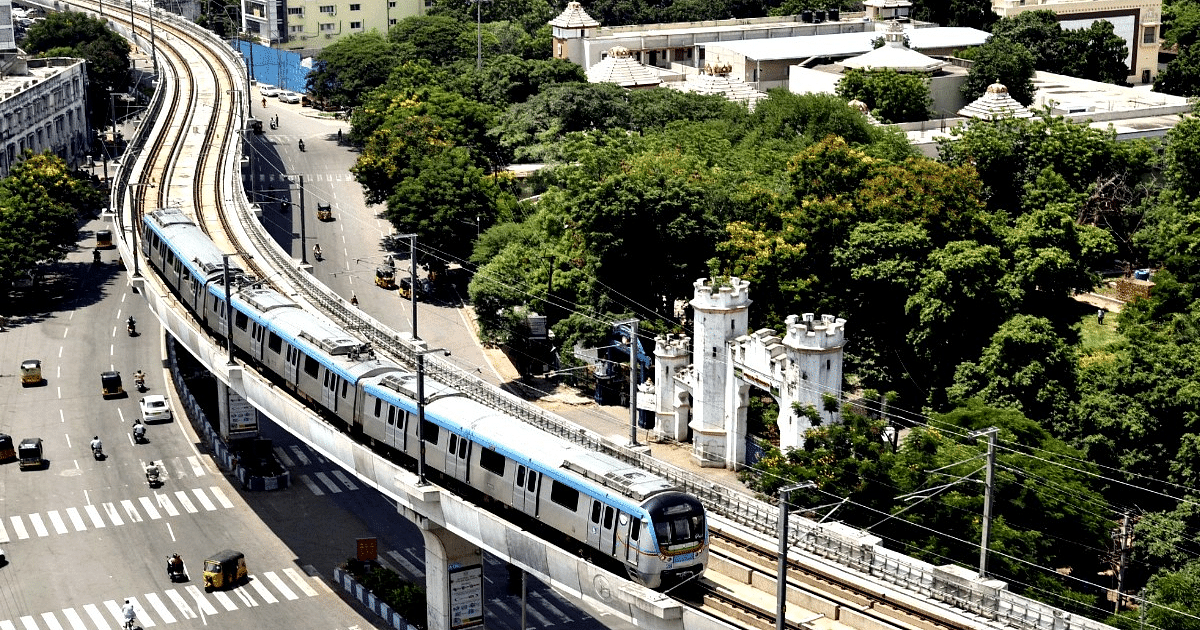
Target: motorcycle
(139, 380)
(131, 326)
(175, 571)
(95, 256)
(97, 452)
(153, 477)
(301, 146)
(139, 434)
(273, 125)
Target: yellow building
(1136, 21)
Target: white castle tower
(720, 316)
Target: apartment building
(307, 26)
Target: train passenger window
(491, 461)
(311, 367)
(275, 344)
(391, 415)
(595, 511)
(531, 482)
(379, 407)
(431, 432)
(325, 383)
(343, 388)
(462, 448)
(170, 258)
(608, 517)
(453, 443)
(520, 476)
(635, 532)
(240, 320)
(564, 495)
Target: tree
(1000, 60)
(809, 117)
(1095, 53)
(973, 13)
(40, 203)
(343, 72)
(1038, 31)
(438, 39)
(1181, 77)
(894, 97)
(532, 130)
(75, 34)
(1182, 18)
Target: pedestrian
(339, 136)
(1100, 316)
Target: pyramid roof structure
(894, 55)
(995, 103)
(621, 68)
(715, 79)
(574, 17)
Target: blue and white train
(658, 533)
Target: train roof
(316, 336)
(504, 433)
(264, 300)
(405, 383)
(191, 245)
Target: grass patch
(1094, 337)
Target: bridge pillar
(239, 419)
(453, 579)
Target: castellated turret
(673, 374)
(720, 315)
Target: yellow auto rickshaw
(385, 277)
(7, 451)
(30, 452)
(224, 569)
(324, 212)
(110, 384)
(31, 372)
(104, 239)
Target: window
(275, 343)
(564, 495)
(596, 512)
(608, 517)
(327, 9)
(296, 11)
(240, 319)
(378, 407)
(296, 29)
(430, 432)
(311, 367)
(1148, 35)
(491, 461)
(326, 28)
(356, 7)
(356, 26)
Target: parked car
(266, 89)
(155, 408)
(289, 97)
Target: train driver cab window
(379, 407)
(311, 367)
(275, 343)
(240, 320)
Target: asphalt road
(82, 535)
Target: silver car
(289, 97)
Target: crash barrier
(226, 459)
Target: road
(82, 535)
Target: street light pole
(785, 494)
(633, 378)
(421, 480)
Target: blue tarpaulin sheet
(280, 68)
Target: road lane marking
(244, 595)
(311, 485)
(94, 514)
(221, 498)
(201, 601)
(277, 582)
(111, 510)
(29, 623)
(223, 597)
(149, 507)
(51, 621)
(315, 576)
(299, 581)
(131, 511)
(38, 525)
(334, 488)
(300, 456)
(7, 625)
(76, 519)
(203, 498)
(181, 604)
(344, 478)
(410, 567)
(74, 619)
(94, 614)
(283, 458)
(18, 527)
(3, 533)
(56, 519)
(549, 605)
(164, 502)
(185, 501)
(197, 467)
(160, 607)
(263, 592)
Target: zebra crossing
(332, 481)
(178, 604)
(113, 514)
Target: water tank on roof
(806, 16)
(818, 16)
(1141, 274)
(833, 14)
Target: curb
(368, 599)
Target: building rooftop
(574, 17)
(849, 44)
(621, 68)
(714, 81)
(995, 103)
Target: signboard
(243, 418)
(368, 549)
(466, 597)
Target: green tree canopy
(1004, 61)
(894, 97)
(346, 70)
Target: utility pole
(1122, 557)
(987, 496)
(633, 378)
(785, 495)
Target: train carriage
(186, 258)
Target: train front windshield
(678, 523)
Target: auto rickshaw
(31, 372)
(104, 239)
(30, 452)
(110, 383)
(224, 569)
(7, 451)
(324, 212)
(385, 277)
(255, 125)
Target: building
(1136, 21)
(43, 102)
(308, 26)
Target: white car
(155, 408)
(266, 89)
(289, 97)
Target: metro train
(659, 534)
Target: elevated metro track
(187, 153)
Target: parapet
(826, 333)
(731, 295)
(670, 346)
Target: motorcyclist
(96, 255)
(317, 250)
(139, 430)
(131, 324)
(353, 300)
(174, 565)
(139, 379)
(301, 144)
(130, 614)
(96, 445)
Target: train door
(525, 490)
(329, 387)
(222, 310)
(608, 530)
(631, 530)
(390, 432)
(456, 456)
